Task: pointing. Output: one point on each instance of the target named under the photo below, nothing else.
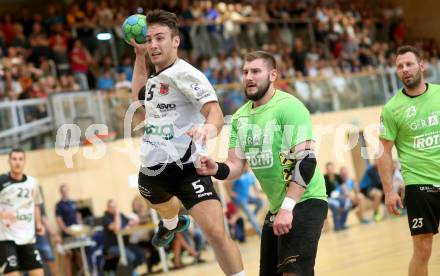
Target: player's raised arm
(140, 73)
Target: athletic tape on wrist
(288, 204)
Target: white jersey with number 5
(173, 99)
(19, 197)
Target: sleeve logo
(382, 129)
(200, 93)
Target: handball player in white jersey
(182, 112)
(19, 218)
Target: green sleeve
(388, 127)
(296, 123)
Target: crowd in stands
(56, 49)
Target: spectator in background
(338, 198)
(357, 198)
(126, 67)
(67, 83)
(105, 81)
(371, 187)
(332, 180)
(80, 60)
(74, 15)
(104, 15)
(20, 40)
(39, 44)
(7, 27)
(243, 199)
(123, 83)
(113, 222)
(298, 56)
(235, 222)
(53, 17)
(67, 214)
(143, 238)
(58, 43)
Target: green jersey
(265, 136)
(413, 124)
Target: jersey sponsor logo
(25, 217)
(430, 121)
(164, 131)
(260, 160)
(410, 112)
(252, 135)
(427, 141)
(166, 107)
(164, 89)
(252, 140)
(200, 93)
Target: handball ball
(135, 26)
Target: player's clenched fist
(207, 166)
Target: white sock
(170, 224)
(239, 274)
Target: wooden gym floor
(376, 249)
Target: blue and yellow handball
(135, 26)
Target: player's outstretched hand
(139, 49)
(207, 166)
(393, 201)
(283, 222)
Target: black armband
(305, 166)
(222, 172)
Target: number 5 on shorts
(198, 187)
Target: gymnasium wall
(108, 177)
(421, 17)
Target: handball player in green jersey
(272, 133)
(410, 121)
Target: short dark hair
(267, 57)
(15, 150)
(163, 17)
(409, 49)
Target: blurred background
(65, 62)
